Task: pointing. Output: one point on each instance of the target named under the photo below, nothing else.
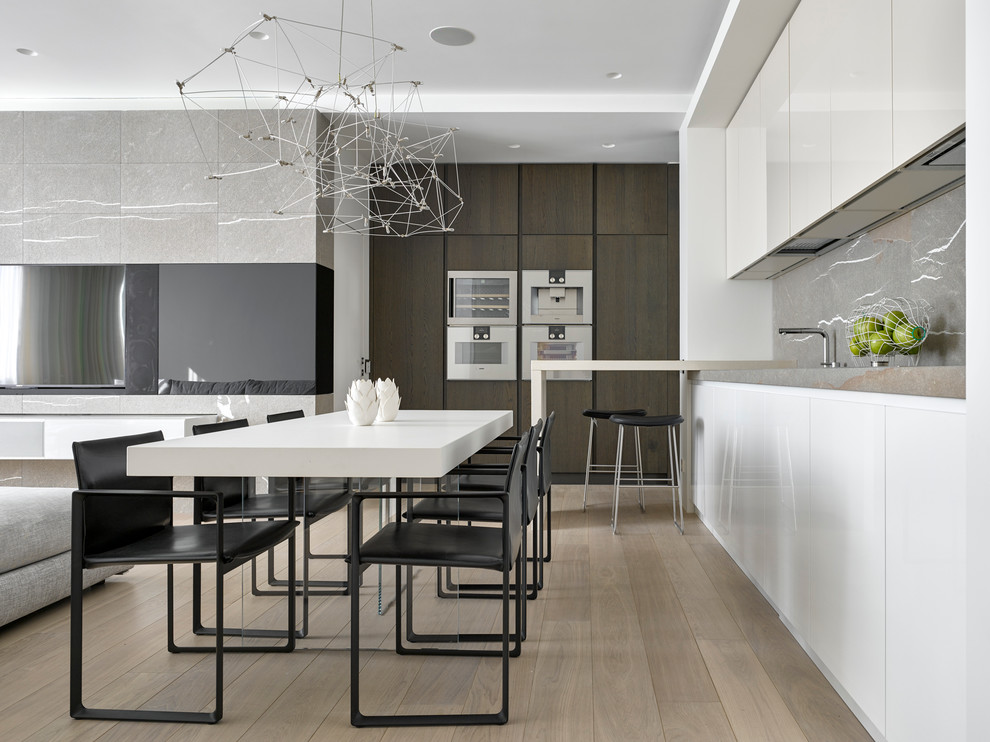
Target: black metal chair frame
(510, 557)
(170, 556)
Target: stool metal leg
(639, 472)
(587, 466)
(618, 478)
(675, 471)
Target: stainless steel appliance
(556, 297)
(481, 352)
(556, 343)
(481, 297)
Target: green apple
(858, 348)
(864, 326)
(892, 319)
(880, 344)
(909, 351)
(907, 335)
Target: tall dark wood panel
(396, 215)
(557, 199)
(486, 395)
(565, 252)
(482, 253)
(491, 198)
(655, 391)
(407, 317)
(632, 199)
(570, 427)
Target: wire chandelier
(321, 118)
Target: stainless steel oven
(481, 297)
(481, 352)
(556, 343)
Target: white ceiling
(535, 75)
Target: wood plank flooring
(646, 635)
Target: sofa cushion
(35, 523)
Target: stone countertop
(924, 381)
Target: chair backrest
(546, 460)
(290, 415)
(514, 486)
(531, 473)
(229, 487)
(111, 521)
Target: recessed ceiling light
(27, 52)
(608, 145)
(259, 35)
(515, 146)
(613, 75)
(451, 36)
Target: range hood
(938, 170)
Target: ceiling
(534, 76)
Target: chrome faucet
(827, 361)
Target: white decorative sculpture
(361, 402)
(388, 400)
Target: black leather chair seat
(606, 414)
(480, 509)
(274, 506)
(192, 544)
(431, 545)
(642, 421)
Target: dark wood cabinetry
(407, 317)
(557, 199)
(482, 253)
(631, 199)
(564, 252)
(486, 395)
(491, 198)
(570, 427)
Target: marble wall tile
(324, 404)
(71, 137)
(168, 404)
(71, 404)
(11, 238)
(268, 190)
(256, 238)
(166, 189)
(71, 238)
(10, 404)
(11, 137)
(919, 256)
(72, 189)
(169, 136)
(169, 238)
(11, 189)
(11, 474)
(53, 473)
(242, 132)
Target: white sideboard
(26, 437)
(847, 510)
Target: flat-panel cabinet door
(749, 235)
(702, 448)
(810, 137)
(926, 575)
(929, 73)
(570, 428)
(774, 97)
(861, 116)
(744, 483)
(848, 548)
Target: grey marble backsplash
(920, 256)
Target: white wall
(977, 360)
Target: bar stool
(595, 416)
(672, 481)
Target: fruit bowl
(888, 329)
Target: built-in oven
(481, 352)
(556, 343)
(556, 297)
(481, 297)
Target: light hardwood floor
(647, 635)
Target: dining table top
(418, 443)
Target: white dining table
(417, 444)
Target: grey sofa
(35, 538)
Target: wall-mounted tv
(61, 326)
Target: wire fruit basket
(890, 328)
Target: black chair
(120, 519)
(415, 543)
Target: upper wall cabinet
(491, 198)
(631, 199)
(775, 121)
(860, 92)
(557, 199)
(746, 236)
(929, 73)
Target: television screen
(62, 325)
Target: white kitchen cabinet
(860, 93)
(719, 507)
(774, 94)
(746, 232)
(702, 422)
(847, 548)
(732, 206)
(929, 73)
(744, 482)
(810, 138)
(926, 571)
(786, 444)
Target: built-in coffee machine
(556, 317)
